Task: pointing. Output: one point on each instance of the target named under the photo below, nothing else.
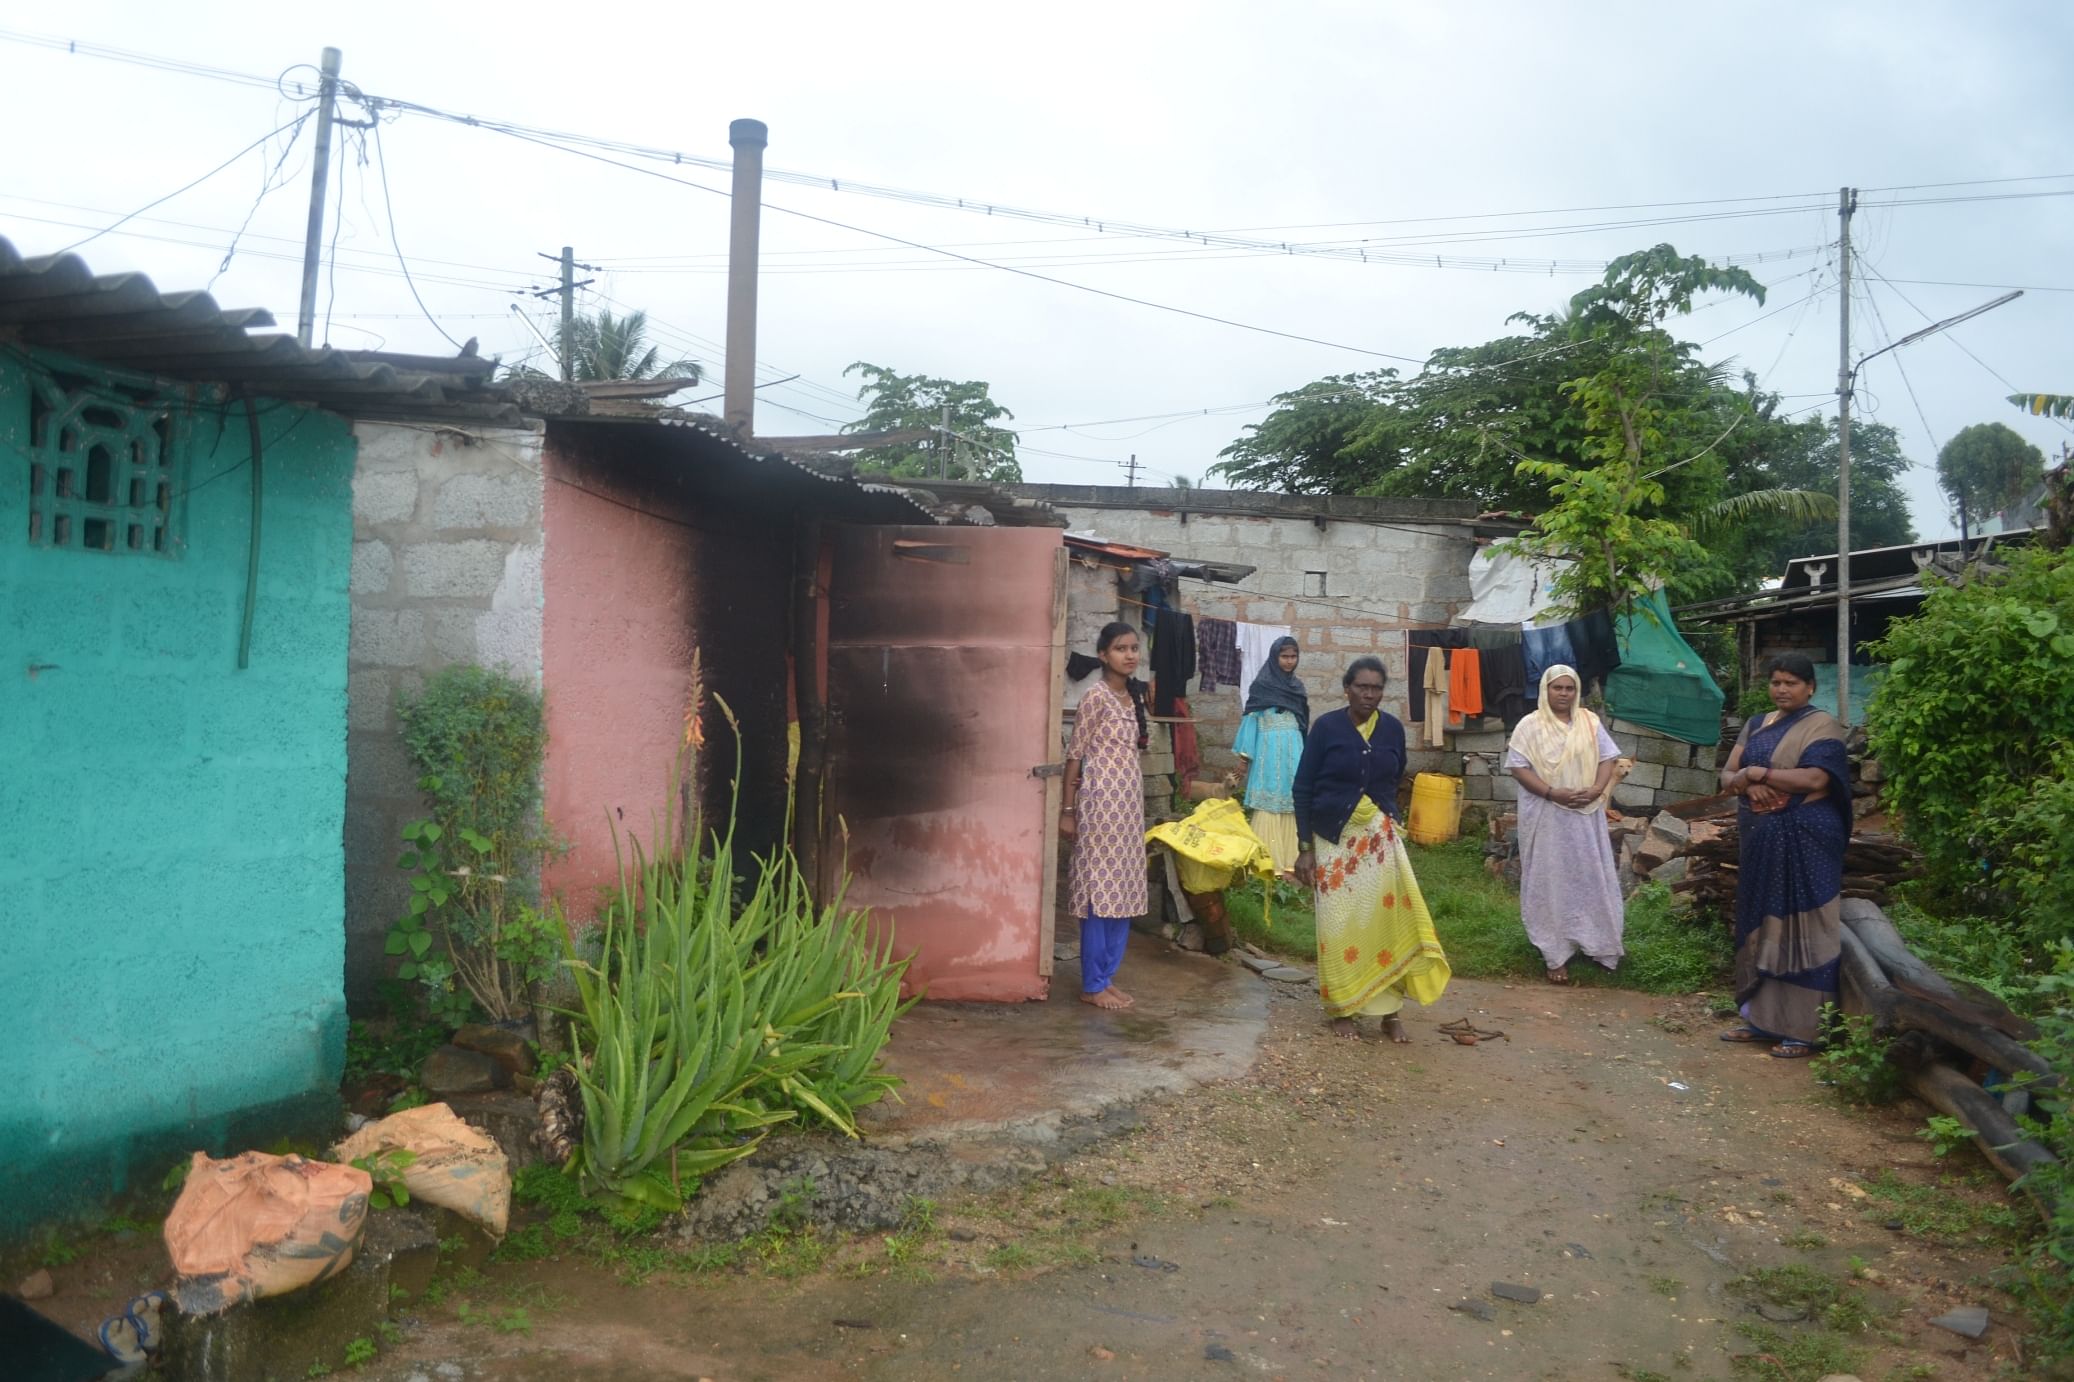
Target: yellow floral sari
(1376, 942)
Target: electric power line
(257, 143)
(389, 207)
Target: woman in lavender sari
(1564, 761)
(1795, 823)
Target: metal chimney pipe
(748, 138)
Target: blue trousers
(1101, 950)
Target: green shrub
(1974, 726)
(470, 935)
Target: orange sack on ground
(457, 1166)
(260, 1225)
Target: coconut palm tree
(609, 347)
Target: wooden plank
(1054, 783)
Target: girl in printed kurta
(1270, 744)
(1104, 815)
(1569, 895)
(1794, 824)
(1376, 943)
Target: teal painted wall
(172, 875)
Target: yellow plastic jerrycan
(1436, 808)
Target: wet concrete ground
(1027, 1069)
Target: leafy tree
(609, 347)
(1320, 439)
(978, 449)
(1607, 513)
(1803, 456)
(1986, 468)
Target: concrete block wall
(446, 567)
(1382, 576)
(171, 874)
(1666, 771)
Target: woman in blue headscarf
(1269, 746)
(1794, 825)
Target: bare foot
(1344, 1027)
(1393, 1028)
(1559, 975)
(1107, 998)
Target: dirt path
(1323, 1215)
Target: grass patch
(1289, 927)
(1669, 949)
(1012, 1257)
(1803, 1357)
(1666, 1286)
(1941, 1213)
(1806, 1240)
(1105, 1206)
(1826, 1299)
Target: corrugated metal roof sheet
(124, 322)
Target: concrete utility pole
(568, 313)
(943, 446)
(320, 172)
(1846, 203)
(749, 138)
(1130, 470)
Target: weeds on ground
(1287, 927)
(1941, 1213)
(1854, 1063)
(1805, 1240)
(1801, 1357)
(1667, 1286)
(1833, 1303)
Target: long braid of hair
(1139, 690)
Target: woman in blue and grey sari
(1795, 823)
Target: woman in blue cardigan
(1376, 943)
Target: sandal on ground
(1743, 1036)
(1791, 1050)
(1560, 975)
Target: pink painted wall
(616, 646)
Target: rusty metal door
(946, 657)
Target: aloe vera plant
(704, 1022)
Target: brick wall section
(1666, 771)
(446, 568)
(1387, 567)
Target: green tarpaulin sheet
(1661, 682)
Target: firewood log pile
(1960, 1049)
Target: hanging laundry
(1417, 642)
(1595, 647)
(1436, 698)
(1485, 637)
(1505, 682)
(1256, 644)
(1173, 658)
(1188, 753)
(1081, 665)
(1546, 648)
(1464, 685)
(1217, 654)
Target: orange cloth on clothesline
(1464, 685)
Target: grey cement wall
(1386, 567)
(446, 568)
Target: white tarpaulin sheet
(1509, 589)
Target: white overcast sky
(1325, 121)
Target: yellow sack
(1212, 845)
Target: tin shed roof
(123, 321)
